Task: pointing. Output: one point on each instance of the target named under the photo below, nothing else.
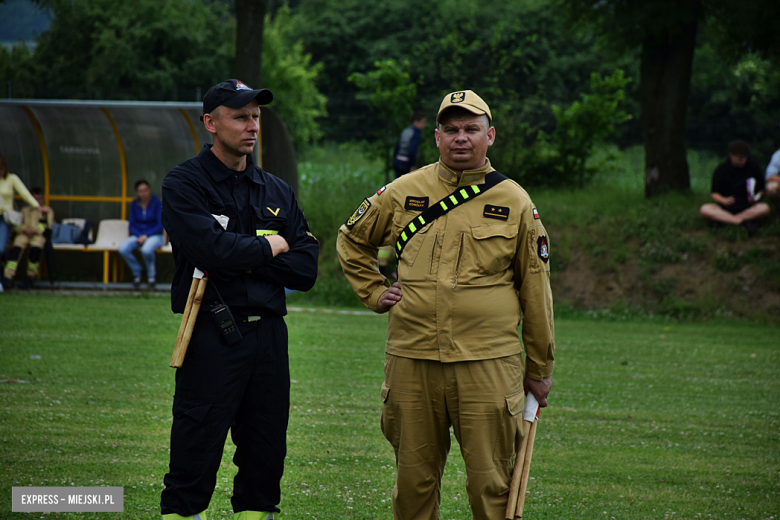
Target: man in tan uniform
(30, 233)
(466, 278)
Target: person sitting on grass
(737, 185)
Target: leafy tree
(288, 72)
(508, 52)
(158, 49)
(581, 129)
(731, 100)
(665, 32)
(390, 93)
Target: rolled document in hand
(531, 410)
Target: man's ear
(209, 123)
(491, 134)
(436, 134)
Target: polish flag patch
(536, 214)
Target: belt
(249, 319)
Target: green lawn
(649, 418)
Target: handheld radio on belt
(444, 206)
(222, 316)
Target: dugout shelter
(87, 155)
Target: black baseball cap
(233, 93)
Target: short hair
(739, 148)
(4, 163)
(139, 182)
(36, 190)
(418, 116)
(461, 112)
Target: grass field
(649, 418)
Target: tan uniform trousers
(22, 241)
(482, 400)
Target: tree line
(660, 72)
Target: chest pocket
(413, 262)
(269, 220)
(495, 246)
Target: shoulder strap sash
(445, 205)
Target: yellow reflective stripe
(422, 220)
(475, 188)
(398, 245)
(266, 232)
(443, 206)
(412, 227)
(464, 193)
(453, 199)
(403, 235)
(11, 265)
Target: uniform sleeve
(158, 227)
(23, 192)
(199, 236)
(532, 280)
(297, 268)
(414, 147)
(50, 218)
(358, 242)
(131, 227)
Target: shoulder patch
(381, 190)
(358, 214)
(536, 214)
(416, 203)
(496, 212)
(542, 249)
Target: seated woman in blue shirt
(146, 232)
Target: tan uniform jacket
(465, 277)
(31, 217)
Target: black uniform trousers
(243, 387)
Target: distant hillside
(21, 20)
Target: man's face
(40, 198)
(235, 129)
(463, 140)
(737, 161)
(421, 123)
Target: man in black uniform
(266, 246)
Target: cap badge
(457, 97)
(241, 86)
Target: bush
(288, 71)
(581, 129)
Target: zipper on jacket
(433, 251)
(460, 254)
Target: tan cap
(465, 99)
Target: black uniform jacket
(238, 260)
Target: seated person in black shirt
(737, 185)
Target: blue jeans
(5, 232)
(152, 244)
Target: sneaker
(750, 226)
(152, 281)
(137, 282)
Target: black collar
(219, 172)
